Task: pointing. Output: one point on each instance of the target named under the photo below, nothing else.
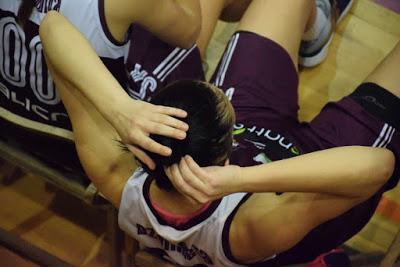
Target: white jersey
(27, 92)
(203, 241)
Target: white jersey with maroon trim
(202, 241)
(27, 92)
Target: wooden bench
(62, 181)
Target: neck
(173, 201)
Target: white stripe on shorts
(177, 63)
(390, 137)
(171, 64)
(223, 62)
(166, 60)
(226, 60)
(385, 136)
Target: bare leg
(282, 21)
(386, 74)
(212, 10)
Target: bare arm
(352, 171)
(96, 141)
(177, 22)
(319, 186)
(336, 182)
(83, 69)
(324, 184)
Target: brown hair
(210, 119)
(25, 11)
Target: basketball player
(28, 97)
(313, 186)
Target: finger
(142, 156)
(195, 168)
(196, 183)
(161, 129)
(149, 144)
(191, 179)
(179, 184)
(176, 178)
(180, 113)
(172, 122)
(187, 190)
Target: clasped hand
(203, 184)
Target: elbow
(388, 165)
(374, 168)
(45, 25)
(381, 169)
(48, 23)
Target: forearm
(345, 171)
(74, 60)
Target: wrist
(238, 184)
(116, 110)
(253, 178)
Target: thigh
(260, 79)
(152, 64)
(282, 21)
(386, 74)
(212, 10)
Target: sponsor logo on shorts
(144, 81)
(372, 99)
(229, 93)
(262, 137)
(262, 158)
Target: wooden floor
(75, 233)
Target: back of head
(210, 119)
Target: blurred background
(71, 230)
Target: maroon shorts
(260, 79)
(152, 64)
(262, 83)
